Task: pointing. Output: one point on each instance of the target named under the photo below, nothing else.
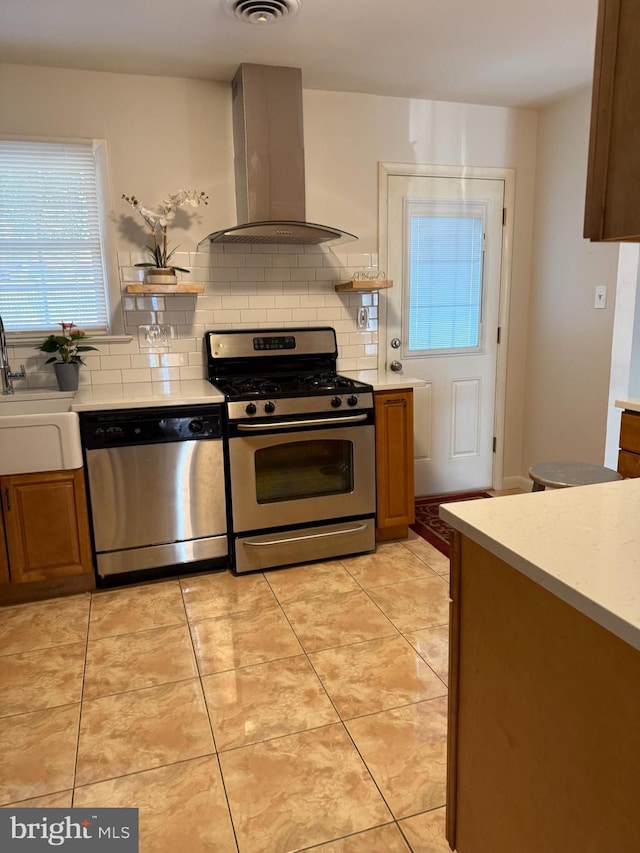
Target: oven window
(304, 469)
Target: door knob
(395, 366)
(395, 343)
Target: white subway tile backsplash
(304, 274)
(165, 374)
(104, 377)
(245, 285)
(141, 374)
(287, 260)
(253, 274)
(224, 274)
(193, 372)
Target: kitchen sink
(42, 441)
(35, 402)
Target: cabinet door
(46, 525)
(394, 459)
(613, 179)
(4, 562)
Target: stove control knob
(336, 402)
(196, 426)
(251, 409)
(352, 400)
(269, 407)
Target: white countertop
(582, 544)
(384, 380)
(631, 403)
(145, 394)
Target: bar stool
(561, 475)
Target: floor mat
(430, 526)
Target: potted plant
(159, 269)
(67, 360)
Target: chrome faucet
(5, 369)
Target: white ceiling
(502, 52)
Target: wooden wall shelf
(362, 286)
(159, 289)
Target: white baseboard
(517, 482)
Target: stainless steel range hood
(269, 161)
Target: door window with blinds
(444, 257)
(52, 265)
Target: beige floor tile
(296, 582)
(405, 750)
(375, 676)
(182, 806)
(130, 732)
(416, 604)
(426, 551)
(47, 678)
(243, 639)
(433, 645)
(139, 608)
(221, 593)
(391, 563)
(305, 789)
(266, 701)
(384, 839)
(38, 753)
(426, 832)
(61, 800)
(142, 659)
(327, 621)
(44, 624)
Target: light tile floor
(297, 709)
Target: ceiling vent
(261, 11)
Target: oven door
(299, 476)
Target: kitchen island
(544, 732)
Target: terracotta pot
(67, 375)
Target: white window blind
(445, 267)
(51, 258)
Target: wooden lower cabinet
(394, 463)
(4, 560)
(46, 526)
(544, 741)
(629, 453)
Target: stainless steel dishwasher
(156, 489)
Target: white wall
(346, 135)
(569, 341)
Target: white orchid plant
(159, 219)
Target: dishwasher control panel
(119, 428)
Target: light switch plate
(600, 300)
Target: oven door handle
(358, 529)
(349, 419)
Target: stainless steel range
(301, 447)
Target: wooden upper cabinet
(46, 523)
(612, 208)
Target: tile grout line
(84, 672)
(206, 708)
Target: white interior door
(444, 253)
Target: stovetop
(308, 385)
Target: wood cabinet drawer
(630, 432)
(629, 464)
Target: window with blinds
(51, 250)
(445, 263)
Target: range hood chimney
(269, 161)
